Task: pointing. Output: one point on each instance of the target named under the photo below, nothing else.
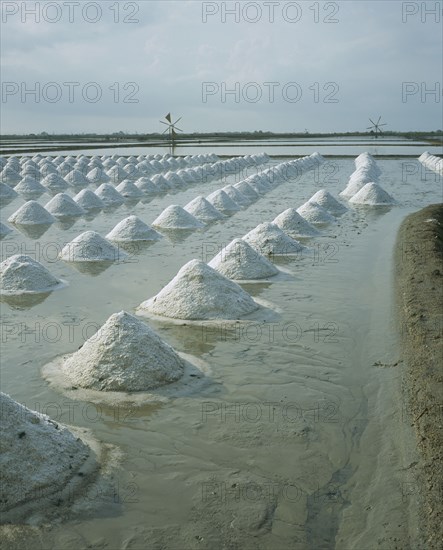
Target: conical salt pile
(124, 355)
(146, 186)
(4, 230)
(160, 182)
(203, 210)
(351, 189)
(109, 195)
(199, 292)
(238, 260)
(7, 193)
(55, 183)
(133, 229)
(176, 217)
(269, 239)
(62, 205)
(31, 213)
(292, 223)
(328, 202)
(117, 174)
(91, 247)
(129, 190)
(77, 179)
(315, 214)
(98, 175)
(10, 176)
(373, 195)
(237, 196)
(39, 458)
(246, 190)
(88, 200)
(21, 274)
(30, 187)
(220, 200)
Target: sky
(108, 66)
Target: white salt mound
(238, 260)
(90, 247)
(373, 195)
(203, 210)
(246, 190)
(146, 186)
(63, 205)
(30, 186)
(220, 200)
(31, 213)
(315, 214)
(237, 196)
(133, 229)
(292, 223)
(6, 192)
(268, 239)
(98, 175)
(199, 292)
(124, 355)
(88, 200)
(20, 274)
(129, 190)
(77, 178)
(4, 230)
(54, 182)
(39, 456)
(351, 189)
(109, 195)
(176, 217)
(328, 202)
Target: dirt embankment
(419, 284)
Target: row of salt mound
(432, 162)
(366, 171)
(90, 246)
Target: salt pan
(238, 260)
(124, 355)
(133, 228)
(20, 274)
(176, 217)
(199, 292)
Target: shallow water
(276, 452)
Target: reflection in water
(91, 214)
(91, 268)
(176, 235)
(372, 213)
(193, 339)
(133, 248)
(33, 231)
(255, 289)
(65, 222)
(24, 301)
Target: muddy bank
(419, 286)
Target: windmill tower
(375, 128)
(171, 129)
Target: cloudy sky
(112, 66)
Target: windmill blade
(370, 128)
(167, 130)
(178, 120)
(175, 128)
(385, 124)
(379, 118)
(168, 117)
(165, 123)
(372, 122)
